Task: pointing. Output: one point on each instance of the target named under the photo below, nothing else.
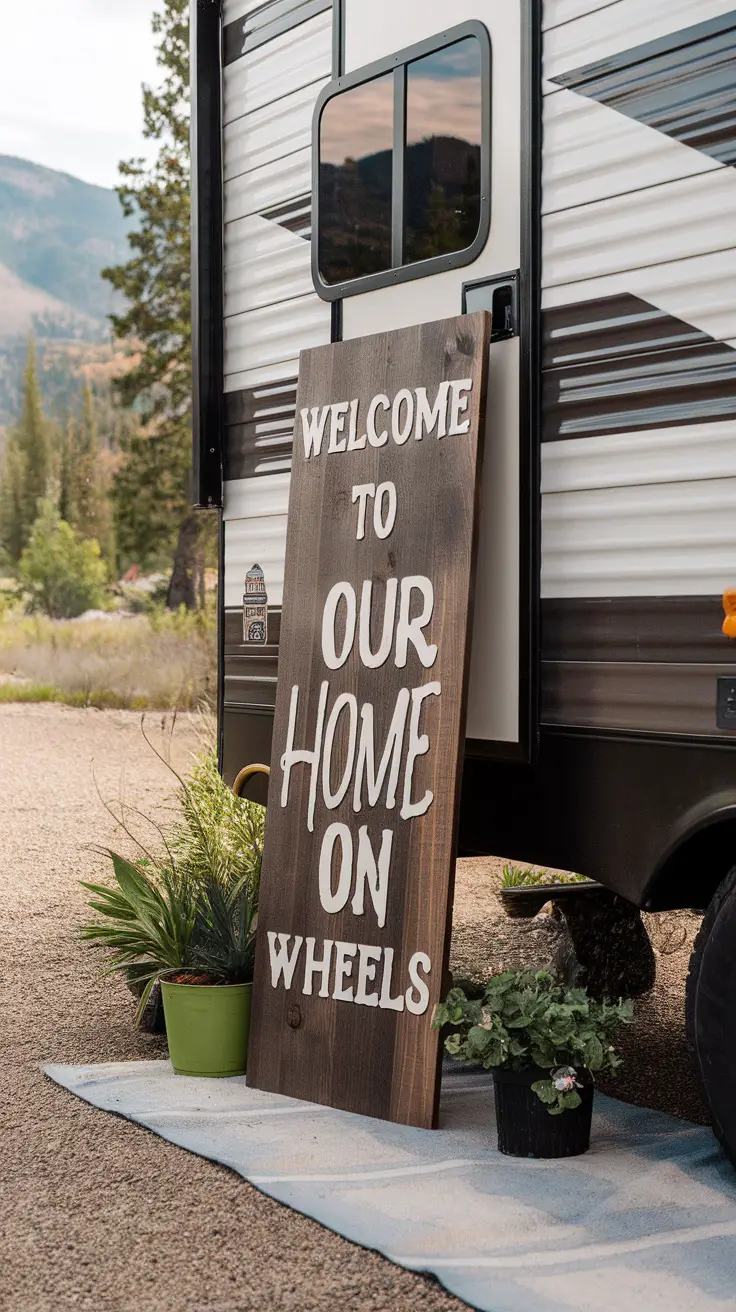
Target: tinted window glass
(356, 134)
(443, 137)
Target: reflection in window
(443, 140)
(355, 181)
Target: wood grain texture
(363, 1058)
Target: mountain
(56, 234)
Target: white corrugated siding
(264, 264)
(657, 540)
(670, 222)
(232, 9)
(630, 210)
(248, 542)
(700, 290)
(659, 455)
(592, 152)
(262, 188)
(275, 333)
(280, 66)
(269, 134)
(250, 498)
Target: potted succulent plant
(544, 1043)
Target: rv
(568, 165)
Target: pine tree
(152, 489)
(28, 465)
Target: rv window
(403, 165)
(443, 140)
(356, 153)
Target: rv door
(424, 206)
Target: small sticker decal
(255, 608)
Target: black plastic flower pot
(525, 1127)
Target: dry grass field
(155, 661)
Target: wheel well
(690, 875)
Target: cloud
(70, 79)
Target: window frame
(397, 63)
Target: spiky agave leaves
(147, 920)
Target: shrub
(61, 574)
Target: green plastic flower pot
(207, 1026)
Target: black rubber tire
(710, 1010)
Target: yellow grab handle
(245, 774)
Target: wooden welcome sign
(356, 890)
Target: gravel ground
(100, 1214)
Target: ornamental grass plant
(188, 903)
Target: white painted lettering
(371, 660)
(367, 959)
(318, 966)
(365, 765)
(344, 954)
(429, 417)
(313, 429)
(373, 873)
(361, 493)
(337, 425)
(418, 1004)
(335, 901)
(281, 963)
(386, 1002)
(379, 402)
(383, 522)
(401, 432)
(458, 405)
(418, 745)
(346, 701)
(410, 630)
(332, 660)
(355, 443)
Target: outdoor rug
(645, 1220)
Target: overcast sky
(70, 83)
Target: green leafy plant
(60, 573)
(191, 904)
(524, 1019)
(515, 877)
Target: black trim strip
(263, 24)
(259, 429)
(667, 630)
(637, 695)
(207, 253)
(294, 215)
(622, 365)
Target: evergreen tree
(27, 465)
(152, 489)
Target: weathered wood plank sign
(356, 891)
